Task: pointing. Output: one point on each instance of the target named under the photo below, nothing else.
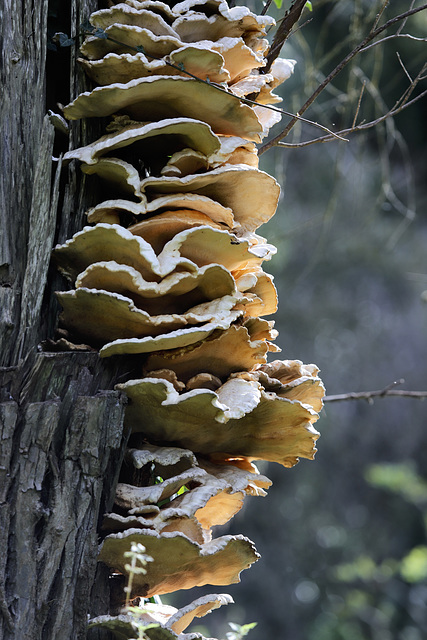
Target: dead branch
(388, 391)
(374, 32)
(291, 17)
(357, 128)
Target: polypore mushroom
(122, 38)
(115, 210)
(223, 352)
(179, 563)
(165, 620)
(159, 97)
(161, 228)
(251, 194)
(167, 136)
(120, 176)
(222, 23)
(240, 419)
(176, 293)
(213, 494)
(101, 316)
(188, 250)
(196, 60)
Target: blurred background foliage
(343, 538)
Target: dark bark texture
(61, 422)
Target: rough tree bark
(61, 424)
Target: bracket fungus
(240, 418)
(178, 492)
(179, 563)
(170, 274)
(160, 97)
(164, 622)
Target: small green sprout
(137, 555)
(239, 631)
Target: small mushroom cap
(201, 204)
(180, 620)
(176, 133)
(252, 195)
(202, 381)
(235, 150)
(260, 285)
(293, 379)
(281, 70)
(134, 498)
(195, 59)
(159, 97)
(185, 162)
(120, 175)
(179, 563)
(256, 84)
(240, 59)
(267, 117)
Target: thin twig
(380, 13)
(360, 127)
(340, 66)
(381, 393)
(359, 102)
(403, 67)
(392, 37)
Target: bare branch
(355, 129)
(381, 393)
(341, 65)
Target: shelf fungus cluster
(170, 271)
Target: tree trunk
(61, 424)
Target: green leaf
(278, 3)
(308, 5)
(239, 631)
(414, 565)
